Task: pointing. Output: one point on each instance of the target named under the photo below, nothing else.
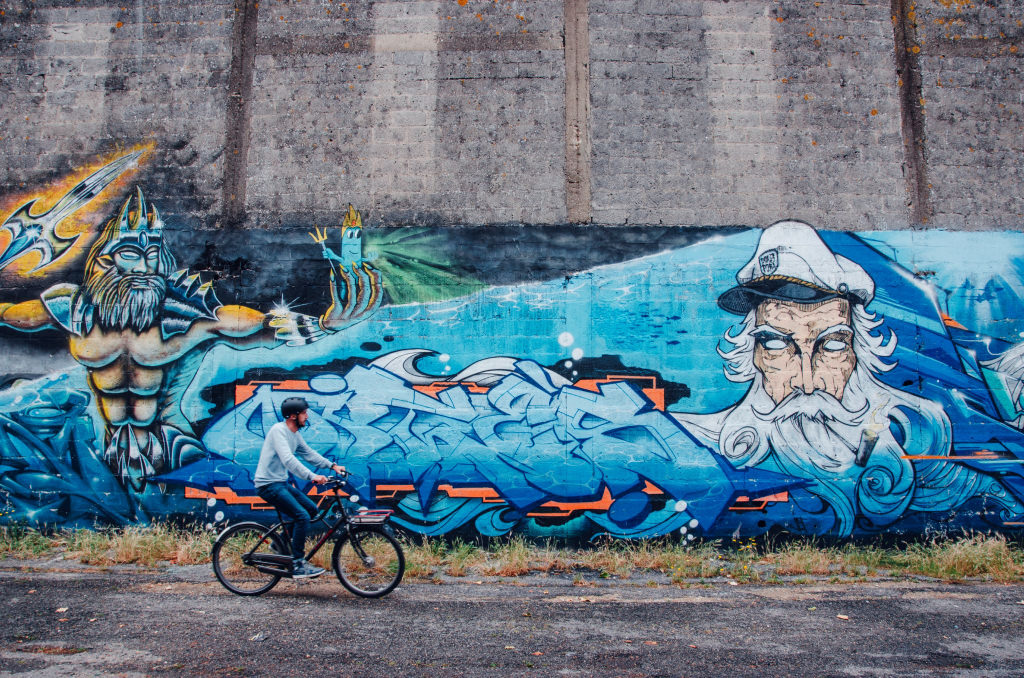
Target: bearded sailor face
(126, 288)
(813, 397)
(804, 348)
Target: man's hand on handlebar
(319, 480)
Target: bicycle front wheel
(238, 541)
(368, 561)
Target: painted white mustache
(818, 406)
(816, 427)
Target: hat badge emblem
(769, 262)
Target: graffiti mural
(137, 324)
(627, 381)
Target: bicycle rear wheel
(238, 541)
(368, 561)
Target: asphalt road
(179, 621)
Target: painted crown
(137, 225)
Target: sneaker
(304, 570)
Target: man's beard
(817, 437)
(126, 301)
(814, 428)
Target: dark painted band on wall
(577, 112)
(236, 143)
(908, 70)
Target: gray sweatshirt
(277, 457)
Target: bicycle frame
(282, 564)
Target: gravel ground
(62, 619)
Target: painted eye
(773, 344)
(128, 255)
(835, 345)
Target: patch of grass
(424, 559)
(611, 559)
(460, 557)
(805, 557)
(91, 547)
(508, 558)
(194, 548)
(322, 557)
(20, 542)
(972, 556)
(952, 559)
(682, 562)
(147, 545)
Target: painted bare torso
(127, 369)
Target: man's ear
(104, 261)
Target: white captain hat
(793, 263)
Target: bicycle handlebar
(337, 480)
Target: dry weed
(460, 558)
(19, 542)
(804, 557)
(688, 562)
(510, 558)
(423, 560)
(614, 559)
(972, 556)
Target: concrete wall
(694, 113)
(523, 329)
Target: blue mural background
(533, 454)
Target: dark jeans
(294, 505)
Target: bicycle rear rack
(371, 517)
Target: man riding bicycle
(277, 458)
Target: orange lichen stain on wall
(463, 3)
(959, 5)
(89, 217)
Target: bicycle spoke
(373, 568)
(232, 546)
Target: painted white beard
(817, 438)
(121, 303)
(817, 428)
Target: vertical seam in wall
(236, 143)
(577, 111)
(908, 69)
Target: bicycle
(250, 559)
